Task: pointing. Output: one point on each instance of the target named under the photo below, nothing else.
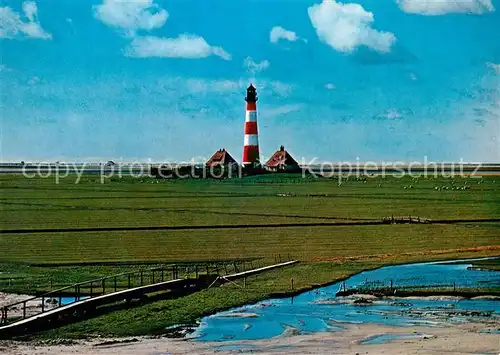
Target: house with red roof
(282, 161)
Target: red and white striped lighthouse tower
(251, 146)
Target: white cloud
(184, 46)
(348, 26)
(495, 67)
(30, 10)
(278, 32)
(255, 67)
(12, 26)
(131, 15)
(330, 86)
(390, 114)
(280, 88)
(198, 85)
(146, 15)
(441, 7)
(272, 112)
(393, 114)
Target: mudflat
(468, 338)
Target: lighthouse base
(251, 154)
(253, 169)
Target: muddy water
(320, 310)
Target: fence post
(115, 283)
(291, 281)
(391, 285)
(60, 300)
(153, 276)
(43, 304)
(142, 279)
(24, 309)
(103, 286)
(235, 269)
(454, 286)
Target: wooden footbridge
(52, 309)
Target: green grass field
(39, 203)
(328, 252)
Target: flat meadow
(321, 222)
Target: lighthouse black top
(251, 94)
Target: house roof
(281, 158)
(221, 157)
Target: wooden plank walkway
(40, 321)
(98, 300)
(248, 273)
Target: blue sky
(374, 80)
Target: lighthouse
(251, 157)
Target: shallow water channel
(320, 310)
